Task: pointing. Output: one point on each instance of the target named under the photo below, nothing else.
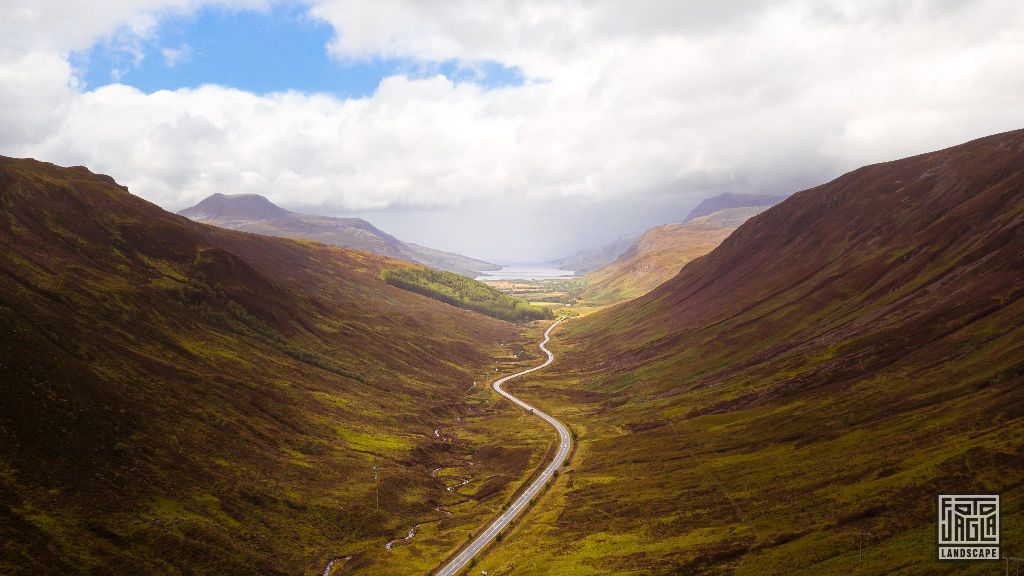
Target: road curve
(564, 442)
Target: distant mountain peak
(254, 213)
(235, 207)
(732, 200)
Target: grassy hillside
(659, 254)
(182, 399)
(464, 292)
(811, 384)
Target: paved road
(502, 521)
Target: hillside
(463, 292)
(449, 261)
(587, 260)
(810, 385)
(732, 200)
(593, 259)
(659, 254)
(256, 214)
(184, 399)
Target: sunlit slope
(660, 253)
(463, 292)
(811, 384)
(178, 398)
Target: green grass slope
(810, 385)
(457, 290)
(182, 399)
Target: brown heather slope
(660, 253)
(179, 399)
(831, 367)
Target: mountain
(659, 254)
(594, 258)
(728, 217)
(235, 208)
(184, 399)
(732, 200)
(254, 213)
(446, 260)
(794, 402)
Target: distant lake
(526, 272)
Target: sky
(511, 131)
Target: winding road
(564, 442)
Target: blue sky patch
(281, 49)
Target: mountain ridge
(659, 253)
(732, 200)
(255, 213)
(234, 207)
(592, 259)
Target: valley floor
(774, 490)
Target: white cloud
(690, 97)
(36, 89)
(175, 55)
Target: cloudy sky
(515, 131)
